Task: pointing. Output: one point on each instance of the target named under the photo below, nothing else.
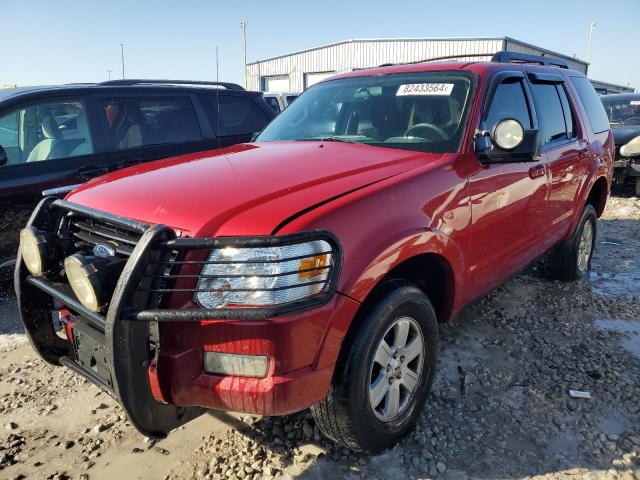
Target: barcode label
(425, 89)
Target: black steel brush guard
(130, 340)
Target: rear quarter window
(237, 115)
(592, 104)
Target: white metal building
(296, 71)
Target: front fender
(358, 281)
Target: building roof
(418, 39)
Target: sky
(47, 42)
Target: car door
(237, 116)
(507, 199)
(144, 127)
(51, 147)
(563, 148)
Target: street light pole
(243, 26)
(109, 74)
(592, 27)
(122, 57)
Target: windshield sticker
(635, 102)
(425, 89)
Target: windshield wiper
(326, 139)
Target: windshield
(421, 111)
(623, 112)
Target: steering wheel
(632, 121)
(411, 131)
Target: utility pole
(122, 57)
(217, 66)
(243, 26)
(592, 27)
(109, 74)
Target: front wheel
(384, 373)
(572, 260)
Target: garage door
(315, 77)
(276, 83)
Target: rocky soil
(500, 407)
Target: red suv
(312, 267)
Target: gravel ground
(500, 407)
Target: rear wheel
(385, 373)
(572, 260)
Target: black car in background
(623, 110)
(54, 138)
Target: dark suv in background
(623, 110)
(54, 138)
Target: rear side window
(569, 118)
(549, 110)
(138, 122)
(273, 103)
(238, 115)
(591, 102)
(509, 101)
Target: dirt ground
(500, 407)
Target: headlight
(265, 276)
(33, 245)
(92, 279)
(631, 148)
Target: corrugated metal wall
(521, 47)
(353, 54)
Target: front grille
(86, 233)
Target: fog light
(236, 365)
(34, 250)
(85, 281)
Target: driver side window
(509, 101)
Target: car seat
(52, 141)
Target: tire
(564, 261)
(347, 415)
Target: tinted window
(592, 104)
(549, 110)
(46, 131)
(136, 122)
(569, 118)
(273, 103)
(620, 112)
(509, 101)
(240, 116)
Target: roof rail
(515, 57)
(137, 81)
(434, 59)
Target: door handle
(537, 171)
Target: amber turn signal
(312, 266)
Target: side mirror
(507, 142)
(3, 157)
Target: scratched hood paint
(249, 189)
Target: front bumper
(153, 357)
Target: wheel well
(598, 195)
(431, 273)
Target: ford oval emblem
(103, 251)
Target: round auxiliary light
(507, 134)
(85, 281)
(33, 250)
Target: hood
(249, 189)
(624, 133)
